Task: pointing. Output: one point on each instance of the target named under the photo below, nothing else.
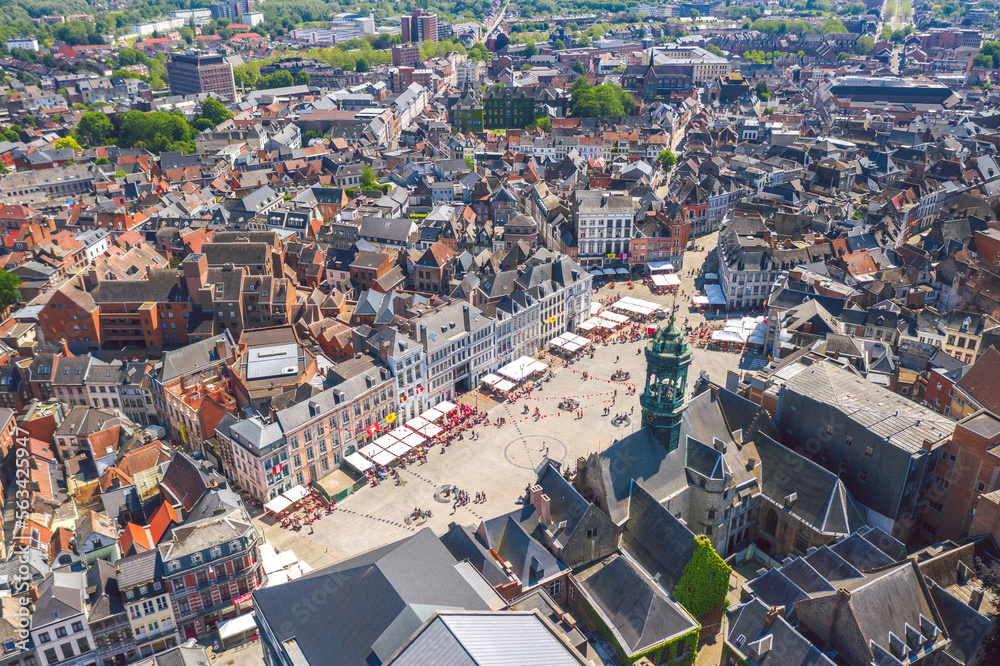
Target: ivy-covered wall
(705, 580)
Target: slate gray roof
(463, 544)
(529, 560)
(635, 608)
(892, 417)
(60, 596)
(774, 588)
(377, 600)
(490, 639)
(163, 285)
(194, 356)
(179, 656)
(139, 568)
(786, 646)
(822, 500)
(656, 539)
(639, 456)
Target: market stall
(358, 462)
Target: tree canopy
(215, 111)
(10, 289)
(157, 131)
(605, 100)
(94, 128)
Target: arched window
(771, 522)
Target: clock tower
(668, 356)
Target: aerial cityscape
(454, 333)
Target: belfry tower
(668, 356)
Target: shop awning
(609, 271)
(659, 266)
(398, 449)
(415, 439)
(699, 300)
(385, 441)
(522, 368)
(596, 272)
(727, 336)
(623, 271)
(491, 379)
(430, 430)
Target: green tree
(479, 52)
(762, 92)
(578, 67)
(544, 123)
(49, 60)
(156, 131)
(102, 160)
(130, 56)
(864, 45)
(214, 111)
(606, 100)
(530, 50)
(667, 159)
(302, 78)
(842, 56)
(558, 45)
(67, 142)
(705, 580)
(712, 48)
(362, 65)
(471, 163)
(368, 179)
(94, 128)
(10, 289)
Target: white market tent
(239, 625)
(431, 414)
(623, 271)
(446, 407)
(385, 441)
(673, 280)
(383, 458)
(699, 300)
(358, 462)
(595, 307)
(491, 379)
(588, 325)
(398, 449)
(660, 280)
(505, 385)
(615, 317)
(609, 271)
(727, 335)
(369, 450)
(660, 266)
(415, 439)
(416, 423)
(596, 271)
(296, 493)
(715, 295)
(278, 505)
(522, 368)
(430, 430)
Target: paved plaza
(501, 462)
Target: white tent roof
(385, 441)
(398, 449)
(615, 317)
(504, 385)
(660, 280)
(622, 271)
(699, 300)
(609, 271)
(715, 295)
(523, 367)
(278, 504)
(431, 414)
(430, 430)
(588, 325)
(727, 335)
(491, 379)
(659, 266)
(595, 307)
(446, 407)
(415, 439)
(418, 422)
(296, 493)
(369, 450)
(238, 625)
(383, 458)
(358, 462)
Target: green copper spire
(668, 356)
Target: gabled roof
(656, 539)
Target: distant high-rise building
(419, 27)
(231, 9)
(405, 55)
(193, 73)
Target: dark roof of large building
(772, 641)
(375, 600)
(656, 539)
